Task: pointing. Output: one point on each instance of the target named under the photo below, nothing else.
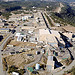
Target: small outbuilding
(15, 73)
(37, 66)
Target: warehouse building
(49, 36)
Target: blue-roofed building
(4, 29)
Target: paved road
(36, 61)
(1, 47)
(1, 65)
(67, 67)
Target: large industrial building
(49, 36)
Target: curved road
(1, 47)
(36, 61)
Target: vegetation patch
(70, 72)
(15, 69)
(49, 20)
(67, 61)
(67, 15)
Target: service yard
(20, 60)
(21, 44)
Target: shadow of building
(65, 39)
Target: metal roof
(30, 69)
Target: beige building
(49, 37)
(27, 27)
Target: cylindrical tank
(37, 66)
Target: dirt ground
(21, 44)
(19, 60)
(64, 28)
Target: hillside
(42, 0)
(66, 0)
(58, 9)
(60, 0)
(64, 10)
(67, 15)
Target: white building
(14, 19)
(37, 66)
(26, 17)
(15, 73)
(30, 31)
(57, 24)
(50, 63)
(19, 38)
(18, 34)
(32, 39)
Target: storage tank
(37, 66)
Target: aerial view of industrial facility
(35, 42)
